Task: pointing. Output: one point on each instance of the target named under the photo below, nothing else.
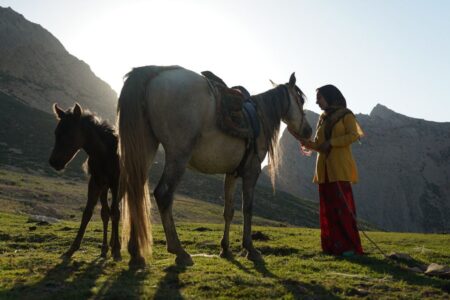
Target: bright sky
(392, 52)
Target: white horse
(176, 108)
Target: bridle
(300, 103)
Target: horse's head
(68, 136)
(294, 117)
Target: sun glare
(162, 33)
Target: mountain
(404, 167)
(37, 70)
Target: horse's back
(177, 103)
(182, 112)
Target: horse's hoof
(184, 260)
(254, 255)
(117, 257)
(67, 255)
(137, 263)
(226, 254)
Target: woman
(336, 169)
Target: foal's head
(69, 138)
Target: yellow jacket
(339, 163)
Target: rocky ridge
(404, 167)
(36, 69)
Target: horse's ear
(273, 83)
(77, 110)
(292, 80)
(59, 113)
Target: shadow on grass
(399, 273)
(298, 290)
(127, 285)
(278, 251)
(233, 260)
(58, 282)
(169, 286)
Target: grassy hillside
(293, 267)
(65, 199)
(26, 136)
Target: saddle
(236, 113)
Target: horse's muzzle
(55, 164)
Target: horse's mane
(270, 111)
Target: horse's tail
(136, 155)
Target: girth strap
(251, 115)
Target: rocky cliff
(36, 69)
(404, 166)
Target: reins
(355, 219)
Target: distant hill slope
(26, 136)
(37, 69)
(404, 166)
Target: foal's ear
(59, 113)
(77, 110)
(292, 80)
(273, 83)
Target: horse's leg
(228, 212)
(248, 186)
(105, 219)
(115, 217)
(93, 194)
(173, 171)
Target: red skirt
(339, 232)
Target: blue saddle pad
(252, 116)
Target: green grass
(65, 198)
(293, 267)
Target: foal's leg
(105, 218)
(248, 186)
(115, 217)
(228, 212)
(173, 171)
(93, 194)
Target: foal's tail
(136, 155)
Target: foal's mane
(97, 123)
(270, 110)
(104, 130)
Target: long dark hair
(332, 95)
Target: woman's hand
(308, 144)
(325, 147)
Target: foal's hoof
(137, 263)
(67, 255)
(104, 252)
(254, 255)
(226, 254)
(184, 260)
(117, 257)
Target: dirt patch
(65, 228)
(259, 236)
(202, 229)
(4, 237)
